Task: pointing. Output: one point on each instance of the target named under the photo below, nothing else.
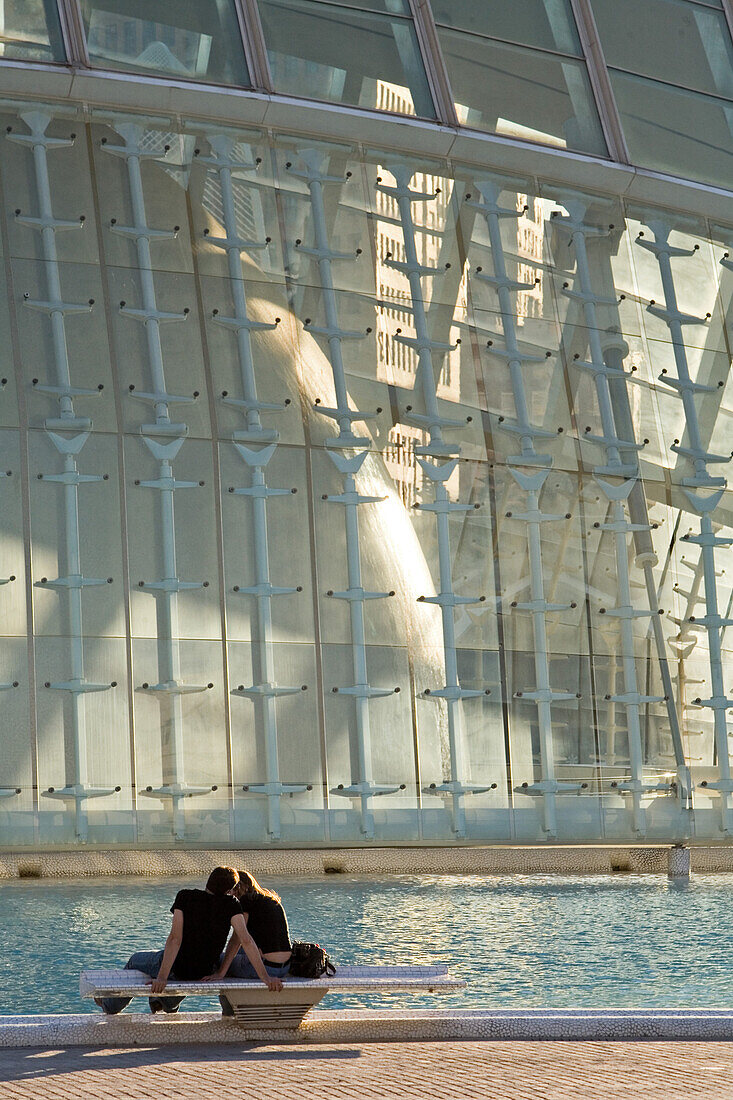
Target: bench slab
(254, 1006)
(133, 983)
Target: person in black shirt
(201, 923)
(267, 925)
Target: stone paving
(445, 1070)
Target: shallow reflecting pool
(627, 940)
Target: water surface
(519, 940)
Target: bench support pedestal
(260, 1008)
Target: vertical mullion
(728, 12)
(72, 32)
(432, 55)
(600, 81)
(255, 49)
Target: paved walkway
(446, 1071)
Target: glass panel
(181, 351)
(520, 514)
(699, 145)
(164, 172)
(86, 343)
(57, 561)
(546, 24)
(692, 45)
(173, 541)
(198, 39)
(325, 51)
(522, 93)
(375, 749)
(30, 31)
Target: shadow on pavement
(31, 1063)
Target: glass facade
(364, 54)
(646, 84)
(686, 77)
(352, 493)
(194, 39)
(516, 70)
(354, 498)
(30, 31)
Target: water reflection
(519, 941)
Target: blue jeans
(149, 963)
(242, 968)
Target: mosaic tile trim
(362, 861)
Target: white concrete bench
(255, 1006)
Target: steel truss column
(523, 468)
(313, 169)
(618, 465)
(264, 693)
(163, 439)
(702, 489)
(68, 432)
(438, 472)
(6, 792)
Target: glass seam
(362, 11)
(666, 84)
(600, 81)
(433, 62)
(255, 38)
(250, 53)
(511, 42)
(72, 33)
(728, 13)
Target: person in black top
(201, 923)
(267, 925)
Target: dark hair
(249, 886)
(221, 880)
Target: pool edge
(372, 1025)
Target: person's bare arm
(172, 945)
(252, 952)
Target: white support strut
(68, 432)
(704, 492)
(530, 470)
(438, 459)
(617, 465)
(312, 168)
(163, 439)
(261, 443)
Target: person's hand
(274, 985)
(158, 985)
(217, 977)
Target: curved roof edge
(334, 122)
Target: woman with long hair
(267, 925)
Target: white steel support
(6, 792)
(265, 691)
(164, 439)
(68, 432)
(433, 423)
(313, 169)
(523, 468)
(617, 465)
(704, 492)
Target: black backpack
(309, 960)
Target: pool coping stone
(652, 858)
(372, 1025)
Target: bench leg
(262, 1009)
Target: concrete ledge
(371, 1025)
(355, 861)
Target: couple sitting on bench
(259, 946)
